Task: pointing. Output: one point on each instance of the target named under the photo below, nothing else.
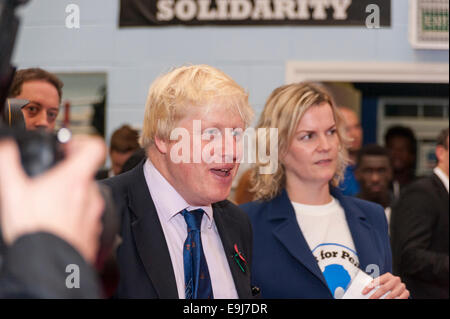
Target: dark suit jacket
(35, 267)
(283, 265)
(101, 174)
(420, 238)
(144, 262)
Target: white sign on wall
(428, 24)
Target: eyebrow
(219, 125)
(32, 102)
(312, 131)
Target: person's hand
(64, 201)
(387, 283)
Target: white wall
(254, 56)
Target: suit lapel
(441, 191)
(287, 231)
(149, 237)
(360, 230)
(225, 227)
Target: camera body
(39, 150)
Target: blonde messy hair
(283, 110)
(185, 87)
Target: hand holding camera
(71, 209)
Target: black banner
(368, 13)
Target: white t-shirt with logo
(328, 236)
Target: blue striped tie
(196, 273)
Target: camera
(39, 150)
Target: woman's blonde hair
(184, 87)
(283, 110)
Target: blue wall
(254, 56)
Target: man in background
(124, 142)
(374, 174)
(420, 231)
(43, 90)
(402, 146)
(349, 185)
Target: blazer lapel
(225, 227)
(287, 231)
(360, 230)
(441, 191)
(149, 237)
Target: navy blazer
(283, 265)
(143, 256)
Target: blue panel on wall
(369, 119)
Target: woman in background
(310, 240)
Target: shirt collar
(442, 176)
(168, 201)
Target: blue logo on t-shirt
(338, 264)
(336, 276)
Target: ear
(161, 145)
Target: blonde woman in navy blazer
(311, 160)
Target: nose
(231, 149)
(375, 177)
(324, 143)
(41, 120)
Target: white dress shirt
(169, 205)
(442, 176)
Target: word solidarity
(251, 12)
(254, 10)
